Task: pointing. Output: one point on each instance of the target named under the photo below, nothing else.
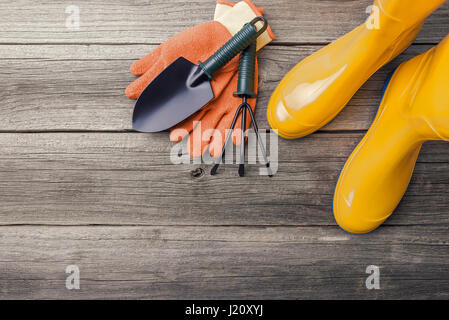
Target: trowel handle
(247, 72)
(233, 47)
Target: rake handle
(247, 72)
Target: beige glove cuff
(241, 13)
(222, 8)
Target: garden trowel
(184, 87)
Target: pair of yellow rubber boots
(414, 108)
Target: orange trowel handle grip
(234, 46)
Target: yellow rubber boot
(414, 109)
(319, 87)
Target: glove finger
(237, 135)
(225, 125)
(142, 65)
(205, 46)
(188, 123)
(212, 117)
(134, 90)
(210, 133)
(214, 141)
(186, 126)
(195, 144)
(217, 142)
(202, 133)
(223, 78)
(198, 36)
(225, 122)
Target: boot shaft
(426, 98)
(405, 14)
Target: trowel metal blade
(178, 92)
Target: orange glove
(198, 44)
(208, 127)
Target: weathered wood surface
(153, 21)
(128, 179)
(81, 87)
(77, 188)
(212, 262)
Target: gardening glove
(208, 127)
(414, 109)
(319, 87)
(197, 44)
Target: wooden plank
(141, 227)
(128, 179)
(117, 21)
(223, 262)
(81, 87)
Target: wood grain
(76, 187)
(223, 262)
(81, 87)
(128, 179)
(143, 21)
